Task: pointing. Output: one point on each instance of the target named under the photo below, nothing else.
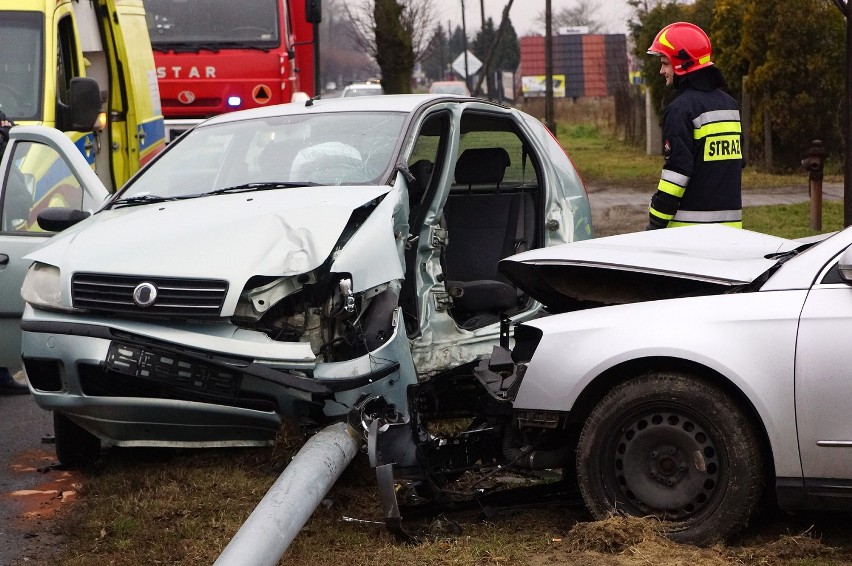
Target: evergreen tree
(792, 54)
(437, 60)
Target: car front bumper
(137, 383)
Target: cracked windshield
(275, 152)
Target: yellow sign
(718, 148)
(536, 85)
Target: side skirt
(814, 494)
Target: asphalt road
(30, 489)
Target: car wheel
(75, 446)
(674, 447)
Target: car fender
(367, 253)
(748, 339)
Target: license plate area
(167, 368)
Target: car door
(823, 383)
(41, 168)
(483, 201)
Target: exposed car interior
(490, 213)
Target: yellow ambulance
(86, 68)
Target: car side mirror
(58, 219)
(84, 105)
(845, 265)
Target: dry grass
(183, 507)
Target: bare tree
(583, 13)
(396, 34)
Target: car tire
(75, 446)
(674, 447)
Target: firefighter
(702, 175)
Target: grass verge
(606, 161)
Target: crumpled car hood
(644, 266)
(230, 237)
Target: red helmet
(685, 45)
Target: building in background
(584, 65)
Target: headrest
(480, 166)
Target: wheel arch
(595, 391)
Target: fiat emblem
(186, 97)
(145, 294)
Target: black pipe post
(549, 120)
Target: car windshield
(280, 152)
(213, 24)
(22, 58)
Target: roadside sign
(473, 64)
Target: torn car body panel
(651, 265)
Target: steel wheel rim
(664, 462)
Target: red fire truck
(216, 56)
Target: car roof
(406, 103)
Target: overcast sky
(613, 13)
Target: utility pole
(464, 34)
(482, 12)
(549, 120)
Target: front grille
(185, 298)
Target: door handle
(4, 260)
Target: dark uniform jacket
(701, 179)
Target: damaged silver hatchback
(288, 261)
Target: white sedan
(681, 374)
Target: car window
(497, 133)
(39, 178)
(352, 148)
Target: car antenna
(310, 101)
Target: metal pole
(291, 500)
(464, 39)
(549, 120)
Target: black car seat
(484, 225)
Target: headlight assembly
(41, 287)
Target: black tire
(75, 446)
(674, 447)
